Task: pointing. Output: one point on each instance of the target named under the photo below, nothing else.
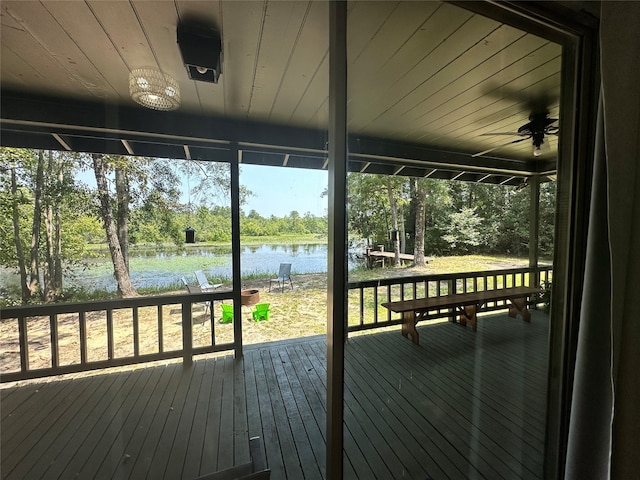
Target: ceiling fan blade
(499, 146)
(539, 100)
(500, 133)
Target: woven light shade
(154, 89)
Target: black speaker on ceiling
(201, 50)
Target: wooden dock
(378, 257)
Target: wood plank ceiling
(426, 81)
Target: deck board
(275, 390)
(157, 439)
(241, 427)
(169, 439)
(440, 425)
(136, 440)
(311, 420)
(184, 430)
(111, 450)
(22, 444)
(209, 461)
(15, 398)
(293, 412)
(86, 421)
(89, 453)
(422, 441)
(225, 440)
(452, 411)
(67, 440)
(190, 467)
(33, 412)
(461, 405)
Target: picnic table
(467, 305)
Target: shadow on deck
(460, 405)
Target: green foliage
(157, 215)
(79, 225)
(255, 225)
(368, 207)
(464, 232)
(460, 217)
(547, 208)
(438, 204)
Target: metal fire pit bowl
(249, 297)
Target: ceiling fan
(538, 126)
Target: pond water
(164, 267)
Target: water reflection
(163, 267)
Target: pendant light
(154, 89)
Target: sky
(279, 190)
(276, 190)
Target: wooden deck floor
(459, 406)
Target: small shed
(190, 235)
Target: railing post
(451, 290)
(187, 334)
(82, 319)
(53, 328)
(375, 305)
(24, 344)
(160, 329)
(136, 332)
(110, 342)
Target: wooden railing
(53, 339)
(366, 297)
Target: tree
(39, 201)
(547, 218)
(12, 161)
(143, 206)
(393, 207)
(34, 271)
(125, 287)
(55, 191)
(368, 207)
(463, 233)
(212, 182)
(123, 197)
(419, 198)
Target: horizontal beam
(55, 123)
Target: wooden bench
(467, 305)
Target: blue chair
(284, 275)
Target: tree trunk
(420, 200)
(122, 206)
(34, 273)
(125, 288)
(401, 234)
(24, 287)
(49, 290)
(410, 223)
(57, 236)
(393, 204)
(53, 254)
